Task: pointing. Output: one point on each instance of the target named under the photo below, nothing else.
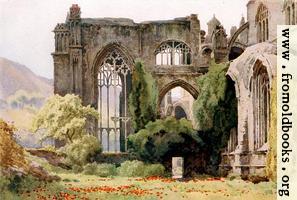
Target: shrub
(102, 170)
(105, 170)
(4, 182)
(133, 168)
(80, 151)
(15, 183)
(163, 139)
(137, 168)
(154, 170)
(77, 169)
(90, 169)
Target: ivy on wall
(215, 111)
(143, 97)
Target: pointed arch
(181, 83)
(112, 71)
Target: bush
(15, 183)
(163, 139)
(133, 168)
(154, 170)
(77, 169)
(80, 151)
(137, 168)
(102, 170)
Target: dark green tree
(143, 97)
(215, 111)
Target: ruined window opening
(173, 53)
(177, 103)
(112, 100)
(262, 23)
(261, 106)
(290, 13)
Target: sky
(26, 25)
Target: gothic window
(173, 53)
(290, 12)
(262, 23)
(261, 105)
(113, 76)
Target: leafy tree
(215, 111)
(143, 97)
(63, 118)
(162, 139)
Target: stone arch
(112, 75)
(106, 49)
(235, 52)
(185, 85)
(180, 112)
(206, 50)
(179, 104)
(236, 34)
(236, 83)
(260, 86)
(261, 61)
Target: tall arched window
(113, 78)
(262, 23)
(290, 11)
(261, 105)
(173, 53)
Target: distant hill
(15, 76)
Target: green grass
(120, 188)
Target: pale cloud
(26, 25)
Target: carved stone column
(195, 39)
(74, 22)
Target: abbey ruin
(94, 58)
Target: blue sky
(26, 25)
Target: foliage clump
(133, 168)
(143, 97)
(63, 118)
(81, 150)
(102, 170)
(164, 138)
(11, 154)
(137, 168)
(215, 111)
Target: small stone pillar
(177, 167)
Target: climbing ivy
(215, 110)
(143, 97)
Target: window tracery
(173, 53)
(261, 106)
(112, 100)
(262, 23)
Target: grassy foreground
(79, 186)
